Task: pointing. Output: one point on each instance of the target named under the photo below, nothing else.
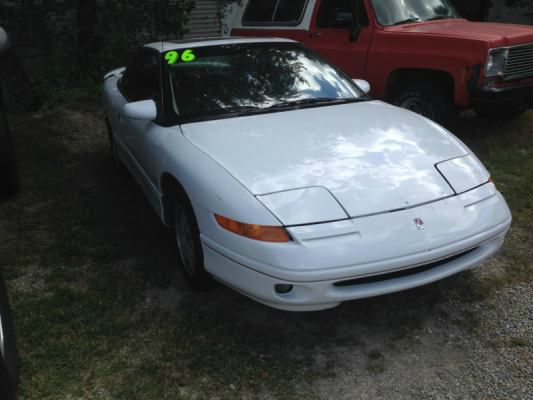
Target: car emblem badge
(419, 224)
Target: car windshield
(397, 12)
(257, 77)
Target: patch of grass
(521, 342)
(506, 149)
(51, 97)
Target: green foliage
(83, 39)
(474, 10)
(517, 3)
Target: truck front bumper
(516, 96)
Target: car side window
(141, 79)
(341, 14)
(274, 12)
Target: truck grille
(520, 62)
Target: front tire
(190, 251)
(428, 100)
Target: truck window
(393, 12)
(341, 14)
(274, 12)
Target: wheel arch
(171, 190)
(399, 77)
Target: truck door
(341, 31)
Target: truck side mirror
(355, 30)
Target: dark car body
(9, 176)
(9, 184)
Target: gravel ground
(444, 361)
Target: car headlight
(496, 62)
(256, 232)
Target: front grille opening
(519, 62)
(402, 273)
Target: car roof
(165, 46)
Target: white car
(285, 181)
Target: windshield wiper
(230, 110)
(406, 21)
(440, 17)
(317, 100)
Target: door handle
(315, 34)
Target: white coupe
(284, 180)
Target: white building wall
(204, 20)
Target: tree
(474, 10)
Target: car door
(141, 81)
(330, 34)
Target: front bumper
(324, 259)
(321, 295)
(515, 96)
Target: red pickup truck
(417, 54)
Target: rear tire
(428, 100)
(189, 246)
(9, 359)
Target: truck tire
(428, 100)
(9, 359)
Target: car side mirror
(141, 110)
(363, 85)
(4, 42)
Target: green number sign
(173, 56)
(188, 56)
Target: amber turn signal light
(263, 233)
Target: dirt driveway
(102, 313)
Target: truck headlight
(496, 62)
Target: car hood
(371, 157)
(496, 34)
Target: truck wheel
(499, 114)
(428, 100)
(9, 361)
